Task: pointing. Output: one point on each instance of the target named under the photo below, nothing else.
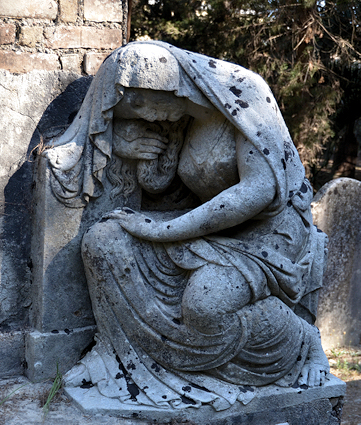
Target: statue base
(271, 405)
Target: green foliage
(347, 367)
(307, 51)
(2, 401)
(345, 362)
(57, 384)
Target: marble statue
(198, 299)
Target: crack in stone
(6, 88)
(20, 113)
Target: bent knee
(216, 289)
(212, 297)
(206, 318)
(100, 236)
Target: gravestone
(336, 210)
(177, 196)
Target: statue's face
(150, 105)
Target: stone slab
(12, 350)
(60, 299)
(68, 10)
(272, 405)
(29, 36)
(103, 10)
(92, 62)
(336, 210)
(44, 351)
(71, 62)
(82, 37)
(28, 107)
(60, 294)
(7, 34)
(43, 9)
(22, 62)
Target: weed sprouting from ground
(57, 384)
(45, 395)
(12, 392)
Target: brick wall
(69, 35)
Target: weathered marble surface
(30, 104)
(27, 114)
(61, 320)
(336, 210)
(24, 407)
(219, 289)
(12, 353)
(269, 405)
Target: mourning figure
(206, 279)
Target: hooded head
(81, 154)
(153, 67)
(147, 67)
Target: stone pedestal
(270, 405)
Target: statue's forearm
(231, 207)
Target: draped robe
(137, 286)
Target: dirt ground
(346, 364)
(25, 405)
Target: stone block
(7, 34)
(54, 281)
(29, 36)
(58, 273)
(272, 405)
(56, 240)
(103, 10)
(21, 62)
(71, 63)
(60, 299)
(44, 351)
(92, 62)
(337, 211)
(42, 9)
(86, 37)
(28, 107)
(12, 351)
(68, 10)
